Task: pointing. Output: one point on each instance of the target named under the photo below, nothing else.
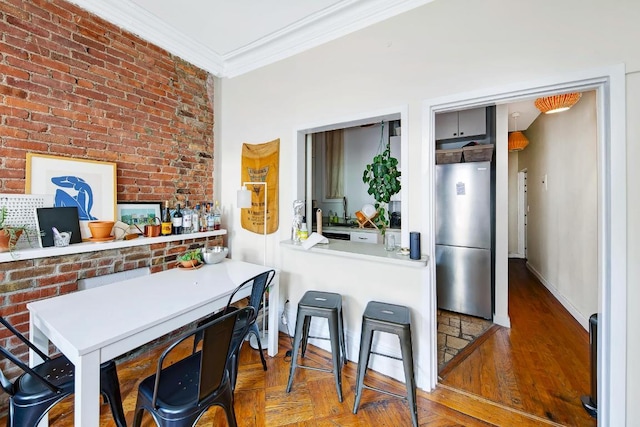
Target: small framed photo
(139, 214)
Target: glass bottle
(176, 226)
(195, 219)
(217, 217)
(187, 216)
(165, 226)
(210, 220)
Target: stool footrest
(314, 368)
(390, 393)
(386, 355)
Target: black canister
(414, 245)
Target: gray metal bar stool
(320, 304)
(393, 319)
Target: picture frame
(138, 214)
(89, 185)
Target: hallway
(539, 366)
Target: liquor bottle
(176, 226)
(195, 219)
(165, 227)
(187, 216)
(203, 218)
(217, 217)
(210, 219)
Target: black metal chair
(259, 285)
(37, 389)
(178, 394)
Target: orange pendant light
(517, 140)
(557, 103)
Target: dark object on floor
(320, 304)
(392, 319)
(39, 388)
(590, 403)
(178, 394)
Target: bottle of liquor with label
(195, 219)
(210, 220)
(165, 227)
(203, 216)
(187, 216)
(217, 217)
(176, 226)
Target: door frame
(610, 86)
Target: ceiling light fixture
(556, 103)
(517, 140)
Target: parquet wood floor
(539, 366)
(514, 378)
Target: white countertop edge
(78, 248)
(363, 251)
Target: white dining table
(95, 325)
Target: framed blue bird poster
(89, 185)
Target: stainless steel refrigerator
(464, 238)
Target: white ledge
(363, 251)
(78, 248)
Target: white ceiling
(232, 37)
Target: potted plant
(9, 234)
(383, 177)
(191, 259)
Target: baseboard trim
(584, 322)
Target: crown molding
(328, 24)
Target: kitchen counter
(364, 251)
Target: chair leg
(334, 336)
(110, 389)
(363, 361)
(255, 331)
(342, 338)
(294, 354)
(407, 361)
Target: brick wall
(73, 85)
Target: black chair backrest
(217, 348)
(5, 383)
(259, 284)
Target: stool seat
(329, 306)
(393, 319)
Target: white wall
(442, 48)
(562, 232)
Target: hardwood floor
(540, 365)
(530, 375)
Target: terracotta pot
(5, 240)
(190, 263)
(101, 229)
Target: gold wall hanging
(260, 163)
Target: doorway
(609, 85)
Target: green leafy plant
(383, 177)
(192, 255)
(11, 232)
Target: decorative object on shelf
(214, 255)
(63, 219)
(21, 211)
(557, 103)
(137, 214)
(191, 259)
(89, 185)
(260, 166)
(101, 229)
(517, 140)
(383, 178)
(10, 234)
